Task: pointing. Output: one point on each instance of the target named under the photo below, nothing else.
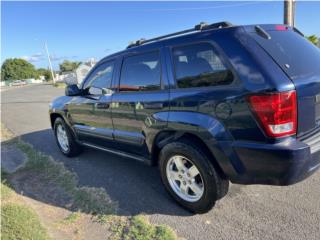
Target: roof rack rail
(199, 27)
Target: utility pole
(289, 12)
(51, 69)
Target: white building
(32, 80)
(83, 69)
(68, 77)
(76, 76)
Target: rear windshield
(295, 55)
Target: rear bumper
(281, 164)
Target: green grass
(6, 191)
(20, 222)
(138, 228)
(50, 169)
(71, 218)
(85, 199)
(5, 187)
(94, 200)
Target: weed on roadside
(5, 190)
(94, 201)
(5, 186)
(85, 199)
(71, 218)
(141, 229)
(138, 228)
(17, 220)
(20, 222)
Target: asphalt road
(247, 212)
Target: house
(84, 68)
(76, 76)
(68, 77)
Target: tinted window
(289, 48)
(101, 77)
(140, 73)
(198, 65)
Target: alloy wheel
(184, 178)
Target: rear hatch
(300, 60)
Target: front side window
(140, 73)
(101, 77)
(198, 65)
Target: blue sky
(81, 30)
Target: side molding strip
(140, 159)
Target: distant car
(224, 103)
(18, 83)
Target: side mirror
(72, 90)
(95, 91)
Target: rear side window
(140, 73)
(198, 65)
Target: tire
(73, 149)
(213, 185)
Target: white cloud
(55, 58)
(40, 56)
(34, 58)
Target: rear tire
(65, 139)
(209, 183)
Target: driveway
(247, 212)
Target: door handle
(152, 105)
(102, 105)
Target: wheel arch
(166, 137)
(53, 117)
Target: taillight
(276, 112)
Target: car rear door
(139, 107)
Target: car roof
(182, 37)
(158, 41)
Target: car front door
(140, 106)
(90, 114)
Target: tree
(45, 72)
(17, 69)
(314, 39)
(68, 66)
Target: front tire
(65, 139)
(189, 176)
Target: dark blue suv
(208, 105)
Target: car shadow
(134, 185)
